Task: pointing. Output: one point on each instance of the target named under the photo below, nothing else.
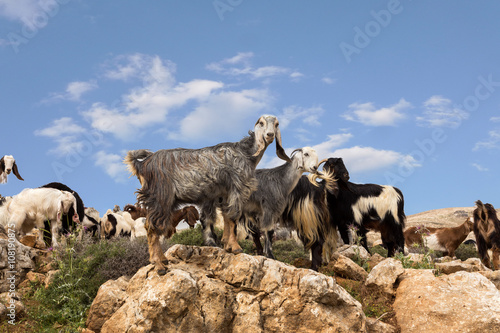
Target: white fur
(386, 202)
(432, 243)
(32, 207)
(124, 220)
(9, 165)
(139, 229)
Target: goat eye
(306, 154)
(261, 124)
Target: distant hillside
(436, 218)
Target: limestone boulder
(459, 302)
(207, 289)
(382, 278)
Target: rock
(110, 297)
(345, 267)
(376, 326)
(15, 309)
(459, 302)
(493, 276)
(383, 277)
(16, 260)
(470, 265)
(207, 289)
(49, 277)
(28, 240)
(354, 251)
(375, 259)
(32, 278)
(410, 272)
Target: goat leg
(232, 240)
(156, 256)
(496, 258)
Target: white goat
(8, 165)
(32, 207)
(117, 224)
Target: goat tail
(134, 160)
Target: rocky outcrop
(209, 290)
(459, 302)
(16, 260)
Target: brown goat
(188, 213)
(487, 231)
(446, 240)
(135, 211)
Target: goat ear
(300, 164)
(16, 172)
(279, 148)
(2, 165)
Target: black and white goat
(33, 206)
(68, 225)
(367, 207)
(8, 165)
(221, 176)
(487, 231)
(266, 205)
(117, 224)
(307, 213)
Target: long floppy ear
(16, 172)
(2, 164)
(279, 148)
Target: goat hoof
(162, 271)
(237, 251)
(164, 262)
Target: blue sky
(406, 92)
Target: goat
(8, 165)
(367, 207)
(307, 213)
(33, 206)
(446, 240)
(135, 211)
(265, 206)
(219, 176)
(188, 213)
(114, 224)
(487, 231)
(67, 222)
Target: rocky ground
(207, 289)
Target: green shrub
(83, 267)
(464, 252)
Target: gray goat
(219, 176)
(266, 205)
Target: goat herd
(198, 184)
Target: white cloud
(440, 112)
(479, 167)
(74, 91)
(363, 159)
(495, 119)
(67, 135)
(357, 159)
(309, 116)
(113, 165)
(147, 105)
(26, 11)
(367, 114)
(241, 65)
(492, 142)
(328, 80)
(226, 111)
(326, 148)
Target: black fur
(342, 214)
